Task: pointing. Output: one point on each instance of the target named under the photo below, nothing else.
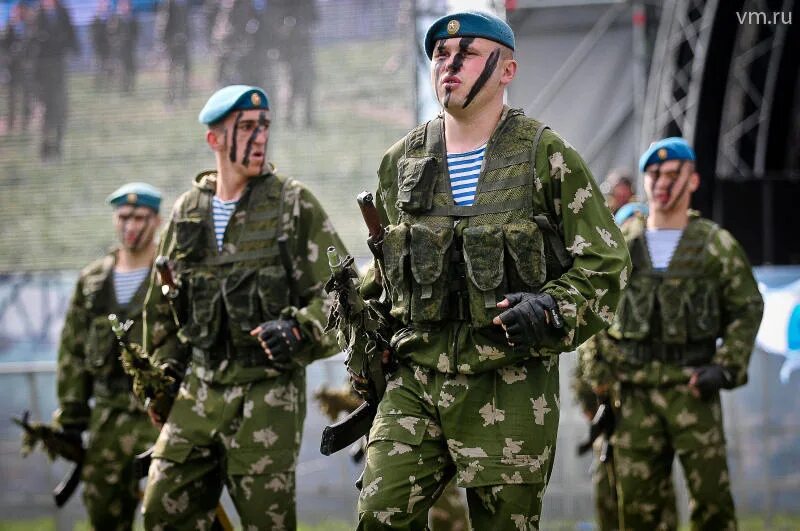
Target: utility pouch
(672, 303)
(189, 239)
(100, 343)
(429, 253)
(484, 263)
(416, 181)
(273, 291)
(240, 294)
(527, 269)
(703, 312)
(632, 319)
(395, 263)
(203, 324)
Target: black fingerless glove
(283, 338)
(531, 318)
(712, 378)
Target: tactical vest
(101, 349)
(671, 316)
(447, 262)
(229, 293)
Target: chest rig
(230, 292)
(447, 262)
(101, 348)
(671, 316)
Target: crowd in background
(251, 42)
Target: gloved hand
(707, 380)
(530, 317)
(280, 339)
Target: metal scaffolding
(676, 73)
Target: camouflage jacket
(501, 243)
(88, 355)
(705, 308)
(226, 294)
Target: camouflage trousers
(110, 489)
(654, 424)
(605, 491)
(494, 431)
(245, 437)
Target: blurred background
(110, 94)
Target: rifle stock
(66, 487)
(348, 430)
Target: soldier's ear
(694, 181)
(215, 138)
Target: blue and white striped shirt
(222, 211)
(126, 284)
(661, 243)
(464, 170)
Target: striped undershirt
(126, 283)
(661, 243)
(222, 210)
(464, 169)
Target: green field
(52, 215)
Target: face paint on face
(667, 195)
(438, 64)
(232, 154)
(260, 127)
(458, 62)
(488, 70)
(134, 225)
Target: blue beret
(232, 98)
(629, 209)
(672, 148)
(469, 24)
(136, 194)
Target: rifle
(55, 443)
(149, 381)
(602, 425)
(375, 230)
(361, 334)
(169, 288)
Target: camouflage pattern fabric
(657, 416)
(89, 368)
(110, 490)
(604, 487)
(463, 402)
(432, 427)
(237, 419)
(245, 437)
(653, 426)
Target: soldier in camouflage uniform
(485, 295)
(684, 330)
(89, 366)
(238, 417)
(606, 504)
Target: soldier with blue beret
(94, 393)
(136, 194)
(232, 98)
(683, 333)
(672, 148)
(247, 245)
(469, 24)
(474, 201)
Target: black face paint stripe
(458, 62)
(262, 122)
(488, 70)
(438, 65)
(232, 155)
